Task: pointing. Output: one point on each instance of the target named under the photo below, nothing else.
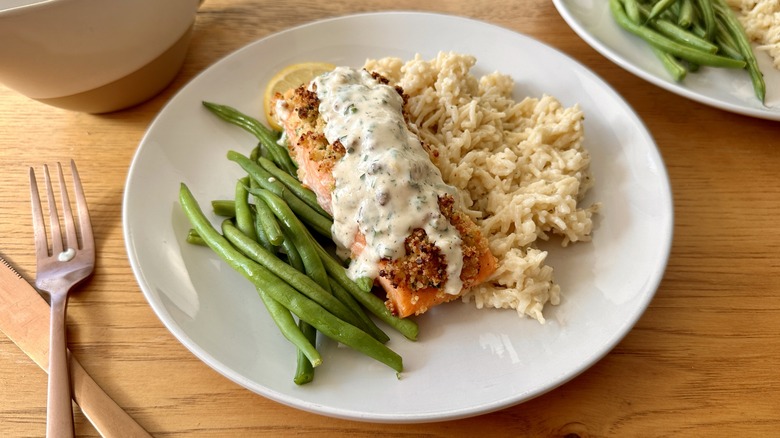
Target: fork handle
(59, 410)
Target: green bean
(203, 227)
(674, 32)
(674, 48)
(365, 284)
(374, 304)
(321, 224)
(272, 153)
(659, 7)
(293, 256)
(248, 123)
(311, 260)
(255, 154)
(292, 183)
(725, 47)
(262, 237)
(296, 231)
(304, 371)
(736, 30)
(726, 42)
(287, 273)
(194, 238)
(317, 221)
(672, 13)
(281, 158)
(244, 219)
(301, 306)
(261, 225)
(682, 36)
(632, 11)
(685, 16)
(286, 324)
(253, 126)
(236, 260)
(335, 328)
(697, 29)
(257, 173)
(350, 301)
(268, 222)
(707, 13)
(284, 148)
(723, 39)
(225, 208)
(264, 152)
(671, 64)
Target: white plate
(727, 89)
(466, 361)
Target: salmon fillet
(414, 281)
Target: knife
(24, 318)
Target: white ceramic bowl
(93, 55)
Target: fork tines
(58, 245)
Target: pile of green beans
(686, 34)
(267, 235)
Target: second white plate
(729, 90)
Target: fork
(59, 268)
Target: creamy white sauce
(67, 255)
(386, 184)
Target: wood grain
(703, 360)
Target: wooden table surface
(703, 360)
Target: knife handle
(109, 419)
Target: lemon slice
(291, 76)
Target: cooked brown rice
(761, 20)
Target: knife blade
(24, 318)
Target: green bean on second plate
(689, 54)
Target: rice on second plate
(761, 20)
(520, 166)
